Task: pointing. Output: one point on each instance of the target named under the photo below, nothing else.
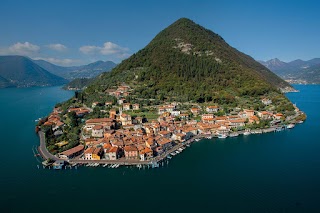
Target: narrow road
(43, 149)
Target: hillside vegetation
(186, 62)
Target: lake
(275, 172)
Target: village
(122, 137)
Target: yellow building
(96, 154)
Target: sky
(76, 32)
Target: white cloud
(108, 48)
(111, 48)
(25, 48)
(61, 62)
(33, 51)
(57, 47)
(89, 49)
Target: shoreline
(45, 154)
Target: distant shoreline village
(123, 138)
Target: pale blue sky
(74, 32)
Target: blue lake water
(276, 172)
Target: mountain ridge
(20, 71)
(296, 71)
(84, 71)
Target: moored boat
(290, 126)
(247, 132)
(222, 136)
(47, 162)
(58, 164)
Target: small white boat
(37, 120)
(222, 136)
(247, 133)
(290, 126)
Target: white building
(97, 131)
(175, 113)
(212, 109)
(266, 101)
(112, 153)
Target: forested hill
(186, 62)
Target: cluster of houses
(80, 112)
(121, 136)
(142, 142)
(121, 91)
(54, 122)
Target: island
(185, 85)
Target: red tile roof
(130, 148)
(73, 150)
(99, 120)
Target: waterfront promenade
(122, 161)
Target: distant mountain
(310, 75)
(20, 71)
(274, 64)
(91, 70)
(54, 69)
(85, 71)
(297, 71)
